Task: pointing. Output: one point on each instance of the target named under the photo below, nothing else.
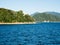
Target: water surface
(30, 34)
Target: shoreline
(19, 23)
(26, 22)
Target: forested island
(11, 16)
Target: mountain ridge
(46, 17)
(53, 13)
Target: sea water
(30, 34)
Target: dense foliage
(7, 15)
(46, 17)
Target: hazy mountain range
(46, 16)
(53, 13)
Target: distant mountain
(53, 13)
(46, 17)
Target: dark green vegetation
(7, 15)
(45, 17)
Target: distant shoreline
(19, 23)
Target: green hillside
(45, 17)
(7, 15)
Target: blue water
(30, 34)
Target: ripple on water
(30, 34)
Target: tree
(28, 18)
(20, 17)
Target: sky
(31, 6)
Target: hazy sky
(31, 6)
